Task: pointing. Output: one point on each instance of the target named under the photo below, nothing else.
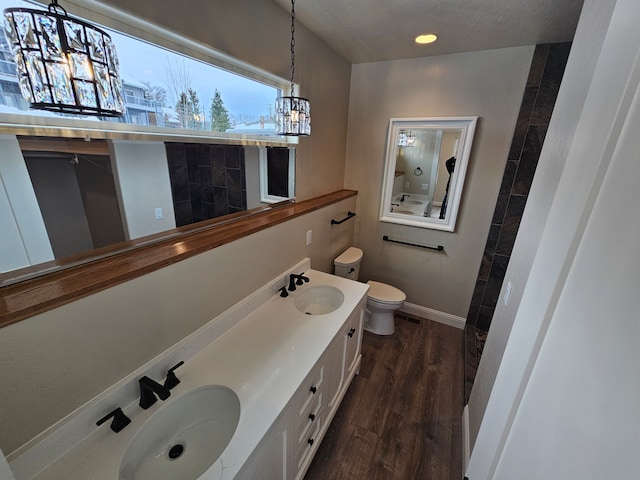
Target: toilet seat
(384, 294)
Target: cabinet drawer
(309, 392)
(307, 447)
(308, 419)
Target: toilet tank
(347, 264)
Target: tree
(220, 121)
(179, 83)
(188, 110)
(197, 118)
(184, 110)
(154, 92)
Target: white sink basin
(319, 300)
(413, 202)
(405, 212)
(184, 438)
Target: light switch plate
(309, 237)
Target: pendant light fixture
(64, 64)
(293, 114)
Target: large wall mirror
(425, 166)
(185, 155)
(65, 201)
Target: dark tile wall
(207, 181)
(543, 83)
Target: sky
(141, 62)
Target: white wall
(24, 237)
(563, 401)
(141, 174)
(578, 417)
(579, 71)
(489, 84)
(252, 176)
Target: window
(165, 92)
(277, 174)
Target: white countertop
(264, 358)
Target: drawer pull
(312, 416)
(310, 441)
(351, 332)
(313, 390)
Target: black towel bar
(338, 222)
(439, 248)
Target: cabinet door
(353, 340)
(335, 371)
(271, 458)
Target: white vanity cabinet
(344, 356)
(270, 459)
(286, 452)
(289, 372)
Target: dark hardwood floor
(401, 417)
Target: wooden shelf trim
(30, 297)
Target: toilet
(382, 299)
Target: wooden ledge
(37, 295)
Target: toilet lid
(385, 293)
(350, 256)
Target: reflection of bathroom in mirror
(70, 199)
(277, 174)
(425, 167)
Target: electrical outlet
(425, 186)
(309, 237)
(158, 213)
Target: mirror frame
(467, 127)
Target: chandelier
(406, 139)
(64, 64)
(293, 114)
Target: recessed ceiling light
(426, 38)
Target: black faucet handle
(171, 380)
(283, 292)
(120, 420)
(302, 279)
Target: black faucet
(148, 390)
(296, 280)
(119, 420)
(403, 195)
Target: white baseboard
(466, 441)
(435, 315)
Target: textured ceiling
(376, 30)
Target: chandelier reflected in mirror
(64, 64)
